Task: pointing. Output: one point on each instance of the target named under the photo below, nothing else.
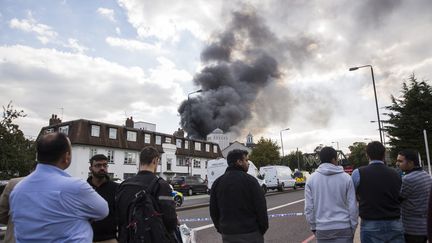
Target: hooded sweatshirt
(330, 201)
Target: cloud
(41, 80)
(44, 33)
(74, 45)
(106, 13)
(132, 45)
(166, 19)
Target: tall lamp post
(427, 148)
(286, 129)
(382, 131)
(190, 126)
(376, 99)
(190, 110)
(337, 144)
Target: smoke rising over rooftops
(242, 78)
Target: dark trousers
(254, 237)
(415, 238)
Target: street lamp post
(382, 131)
(337, 144)
(286, 129)
(376, 99)
(190, 126)
(190, 110)
(427, 148)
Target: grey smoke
(241, 63)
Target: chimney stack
(129, 122)
(179, 133)
(54, 120)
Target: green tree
(266, 152)
(409, 115)
(357, 155)
(291, 159)
(17, 154)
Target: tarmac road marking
(268, 210)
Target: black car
(189, 185)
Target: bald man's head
(52, 148)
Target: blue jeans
(381, 231)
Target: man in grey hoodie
(330, 202)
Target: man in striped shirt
(414, 196)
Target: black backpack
(144, 222)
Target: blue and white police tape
(276, 215)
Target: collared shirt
(356, 173)
(51, 206)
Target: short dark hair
(375, 150)
(97, 157)
(148, 154)
(51, 147)
(235, 155)
(410, 155)
(327, 154)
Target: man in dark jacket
(149, 160)
(104, 230)
(237, 203)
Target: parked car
(177, 197)
(189, 184)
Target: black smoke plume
(237, 66)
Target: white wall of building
(145, 126)
(235, 145)
(222, 139)
(81, 155)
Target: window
(130, 158)
(128, 175)
(95, 130)
(110, 156)
(64, 129)
(113, 133)
(158, 140)
(146, 138)
(197, 146)
(49, 130)
(131, 136)
(197, 164)
(181, 161)
(178, 143)
(169, 162)
(215, 149)
(186, 144)
(167, 140)
(93, 151)
(207, 146)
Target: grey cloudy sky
(104, 60)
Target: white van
(278, 177)
(217, 167)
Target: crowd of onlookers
(393, 207)
(51, 206)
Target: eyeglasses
(101, 165)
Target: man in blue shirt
(51, 206)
